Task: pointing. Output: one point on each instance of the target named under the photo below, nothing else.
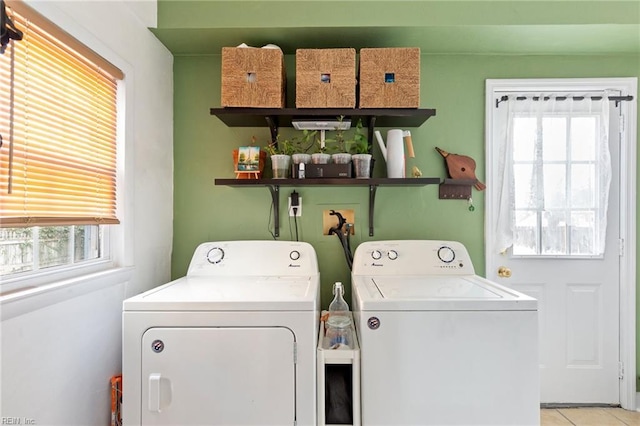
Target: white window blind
(58, 122)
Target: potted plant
(359, 148)
(302, 146)
(280, 152)
(320, 156)
(338, 145)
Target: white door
(218, 376)
(555, 186)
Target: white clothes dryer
(231, 343)
(439, 344)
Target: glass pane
(583, 187)
(583, 232)
(87, 243)
(583, 138)
(524, 138)
(554, 139)
(16, 250)
(555, 186)
(554, 233)
(524, 186)
(525, 233)
(54, 246)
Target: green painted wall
(453, 85)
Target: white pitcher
(393, 152)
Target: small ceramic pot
(301, 158)
(280, 165)
(361, 165)
(320, 158)
(341, 158)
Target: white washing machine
(231, 343)
(440, 345)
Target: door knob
(504, 272)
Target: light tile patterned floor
(595, 416)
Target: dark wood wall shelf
(275, 118)
(274, 188)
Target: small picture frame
(247, 165)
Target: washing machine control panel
(412, 257)
(247, 258)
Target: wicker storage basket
(253, 77)
(325, 78)
(390, 77)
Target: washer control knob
(393, 255)
(215, 255)
(376, 254)
(294, 255)
(446, 254)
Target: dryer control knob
(393, 255)
(294, 255)
(215, 255)
(446, 254)
(376, 254)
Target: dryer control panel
(412, 257)
(249, 258)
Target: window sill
(30, 299)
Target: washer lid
(438, 292)
(230, 294)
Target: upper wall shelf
(256, 117)
(281, 117)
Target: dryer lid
(468, 292)
(232, 293)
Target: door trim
(627, 208)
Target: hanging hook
(341, 222)
(342, 236)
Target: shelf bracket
(371, 127)
(275, 204)
(372, 202)
(272, 122)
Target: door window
(558, 168)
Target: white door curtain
(555, 166)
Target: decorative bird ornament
(461, 167)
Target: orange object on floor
(116, 400)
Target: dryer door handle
(159, 392)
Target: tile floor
(587, 416)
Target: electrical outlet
(298, 211)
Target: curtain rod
(617, 99)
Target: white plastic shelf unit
(329, 358)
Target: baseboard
(580, 404)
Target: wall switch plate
(299, 211)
